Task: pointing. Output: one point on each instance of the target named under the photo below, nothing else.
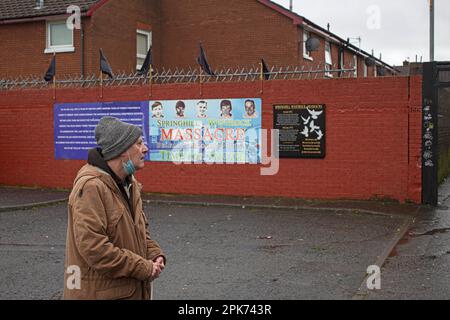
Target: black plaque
(302, 130)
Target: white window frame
(328, 64)
(148, 34)
(355, 65)
(56, 49)
(306, 53)
(375, 72)
(366, 70)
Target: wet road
(213, 252)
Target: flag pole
(54, 78)
(431, 30)
(151, 80)
(54, 87)
(201, 81)
(101, 84)
(261, 77)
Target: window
(375, 71)
(365, 70)
(328, 60)
(355, 65)
(144, 42)
(59, 37)
(306, 53)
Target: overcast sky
(399, 29)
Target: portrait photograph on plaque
(302, 130)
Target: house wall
(113, 28)
(22, 49)
(234, 33)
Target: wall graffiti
(428, 122)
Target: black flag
(51, 70)
(265, 70)
(147, 62)
(203, 62)
(104, 65)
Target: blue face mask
(129, 167)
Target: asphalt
(246, 247)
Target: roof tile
(20, 9)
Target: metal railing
(181, 76)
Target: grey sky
(403, 30)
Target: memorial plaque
(302, 130)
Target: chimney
(290, 5)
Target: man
(180, 107)
(107, 237)
(202, 108)
(157, 110)
(250, 110)
(225, 109)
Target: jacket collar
(107, 175)
(95, 158)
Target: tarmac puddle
(274, 247)
(405, 240)
(410, 235)
(431, 232)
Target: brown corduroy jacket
(113, 251)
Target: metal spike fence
(188, 76)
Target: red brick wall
(234, 33)
(114, 28)
(373, 140)
(22, 49)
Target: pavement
(222, 247)
(419, 265)
(13, 199)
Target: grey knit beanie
(115, 137)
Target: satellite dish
(312, 44)
(381, 71)
(370, 62)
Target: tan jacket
(113, 252)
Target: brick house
(234, 33)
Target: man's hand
(155, 271)
(160, 260)
(158, 267)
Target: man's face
(249, 108)
(137, 153)
(202, 108)
(226, 110)
(180, 111)
(157, 111)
